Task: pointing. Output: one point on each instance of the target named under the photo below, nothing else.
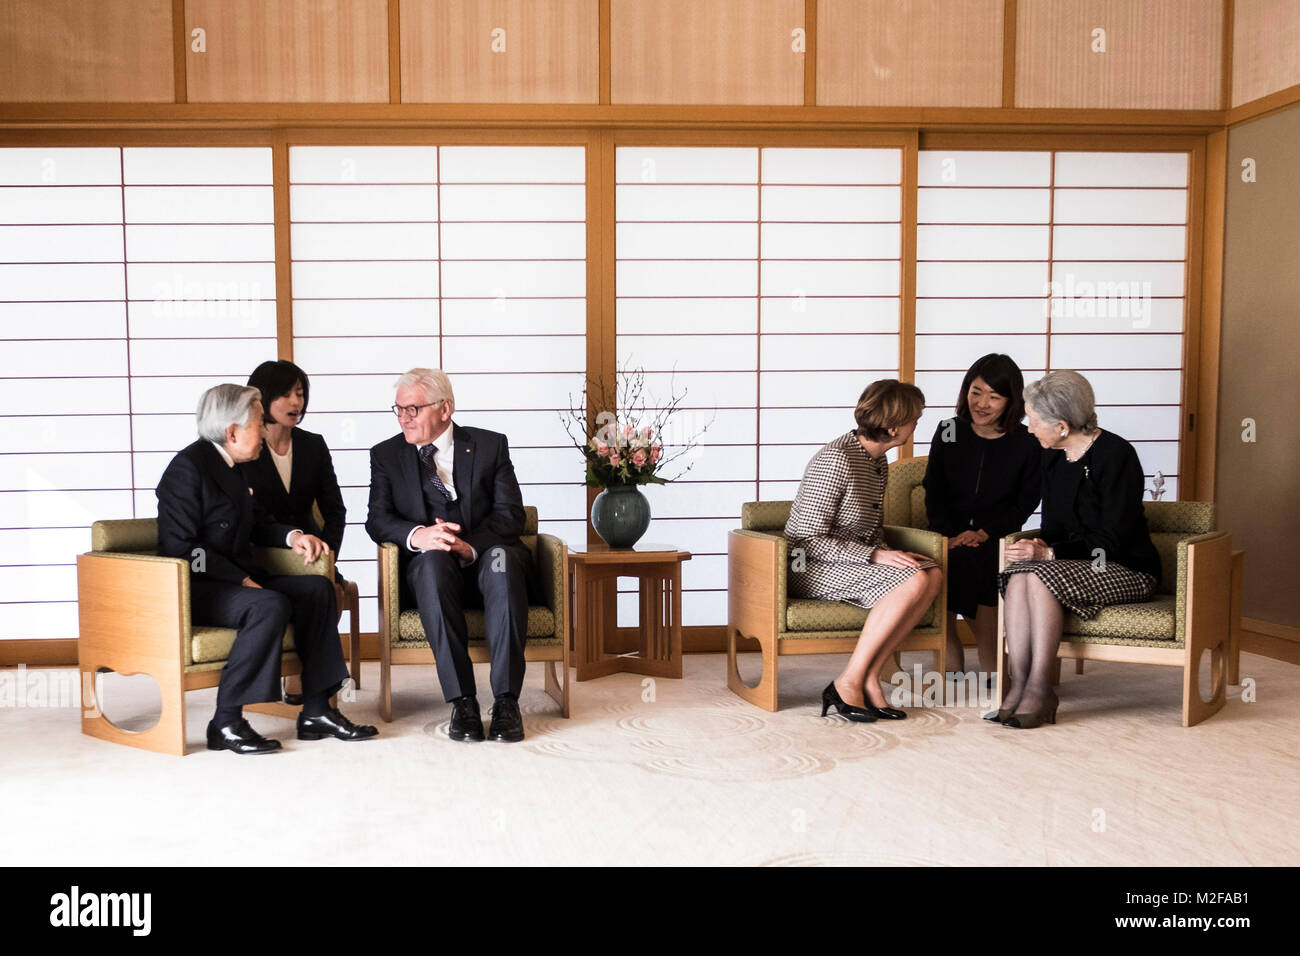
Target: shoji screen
(1061, 260)
(130, 280)
(765, 282)
(472, 259)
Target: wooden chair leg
(764, 693)
(557, 689)
(1207, 626)
(1078, 665)
(354, 633)
(1234, 620)
(1056, 672)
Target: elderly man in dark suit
(448, 497)
(209, 516)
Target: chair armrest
(287, 561)
(133, 603)
(758, 563)
(389, 588)
(1183, 583)
(552, 558)
(929, 543)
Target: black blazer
(988, 484)
(311, 480)
(492, 508)
(209, 516)
(1096, 502)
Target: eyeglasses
(410, 411)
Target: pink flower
(656, 452)
(628, 431)
(615, 460)
(602, 450)
(647, 433)
(639, 457)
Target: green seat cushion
(1148, 621)
(410, 630)
(806, 615)
(214, 643)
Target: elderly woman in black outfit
(294, 470)
(982, 482)
(1094, 550)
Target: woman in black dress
(982, 482)
(294, 470)
(1094, 549)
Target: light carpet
(682, 772)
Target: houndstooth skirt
(1082, 589)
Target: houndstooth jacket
(835, 521)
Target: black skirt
(973, 578)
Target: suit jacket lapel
(412, 475)
(462, 474)
(230, 481)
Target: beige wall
(1258, 484)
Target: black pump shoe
(831, 698)
(885, 713)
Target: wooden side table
(659, 570)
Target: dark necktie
(429, 459)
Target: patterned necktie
(429, 458)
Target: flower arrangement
(625, 447)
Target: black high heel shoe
(1044, 715)
(1000, 716)
(831, 698)
(885, 713)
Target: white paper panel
(778, 490)
(68, 470)
(1136, 350)
(1117, 279)
(557, 501)
(711, 462)
(539, 390)
(374, 317)
(978, 279)
(689, 352)
(62, 509)
(713, 427)
(507, 203)
(831, 240)
(224, 357)
(980, 167)
(687, 203)
(61, 243)
(61, 320)
(33, 359)
(959, 352)
(62, 396)
(163, 432)
(355, 240)
(391, 354)
(57, 166)
(638, 164)
(50, 546)
(813, 352)
(706, 389)
(365, 280)
(526, 429)
(514, 279)
(371, 392)
(1117, 315)
(832, 165)
(785, 425)
(674, 240)
(515, 316)
(37, 584)
(686, 278)
(787, 462)
(197, 204)
(53, 433)
(982, 205)
(674, 316)
(1142, 422)
(61, 282)
(513, 164)
(794, 278)
(363, 164)
(1121, 206)
(174, 395)
(824, 389)
(696, 535)
(39, 621)
(981, 315)
(982, 242)
(1155, 456)
(698, 499)
(1126, 388)
(190, 243)
(1119, 242)
(363, 203)
(67, 204)
(1121, 169)
(231, 282)
(214, 318)
(525, 354)
(158, 166)
(514, 240)
(830, 314)
(831, 203)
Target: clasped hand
(441, 536)
(898, 559)
(968, 539)
(1028, 549)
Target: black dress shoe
(507, 723)
(466, 720)
(885, 713)
(293, 700)
(240, 738)
(332, 724)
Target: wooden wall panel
(1160, 54)
(288, 51)
(550, 51)
(926, 53)
(723, 51)
(1265, 48)
(79, 51)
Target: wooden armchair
(1196, 608)
(758, 607)
(134, 609)
(401, 633)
